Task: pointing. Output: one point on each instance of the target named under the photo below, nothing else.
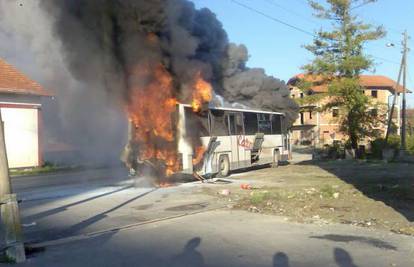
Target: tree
(338, 62)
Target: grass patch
(262, 197)
(46, 168)
(327, 191)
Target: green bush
(410, 144)
(394, 142)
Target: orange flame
(203, 93)
(199, 153)
(150, 109)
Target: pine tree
(339, 59)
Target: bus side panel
(223, 149)
(271, 142)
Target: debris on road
(246, 186)
(225, 192)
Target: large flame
(152, 104)
(202, 93)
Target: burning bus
(230, 139)
(214, 141)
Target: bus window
(218, 123)
(196, 124)
(276, 124)
(235, 124)
(250, 123)
(231, 124)
(265, 125)
(239, 124)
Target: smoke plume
(107, 46)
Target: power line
(295, 27)
(274, 3)
(273, 18)
(361, 5)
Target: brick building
(20, 105)
(317, 128)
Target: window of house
(374, 112)
(335, 112)
(302, 118)
(301, 95)
(310, 114)
(374, 93)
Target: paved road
(226, 238)
(62, 184)
(97, 218)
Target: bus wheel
(276, 157)
(224, 166)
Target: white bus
(230, 139)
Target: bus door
(236, 132)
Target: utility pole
(404, 101)
(391, 115)
(403, 115)
(10, 226)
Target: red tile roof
(13, 81)
(367, 81)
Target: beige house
(20, 106)
(318, 128)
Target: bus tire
(276, 158)
(223, 166)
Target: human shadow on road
(343, 258)
(280, 259)
(50, 212)
(189, 257)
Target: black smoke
(98, 42)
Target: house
(20, 105)
(314, 127)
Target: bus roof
(242, 110)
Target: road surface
(97, 218)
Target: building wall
(22, 131)
(323, 127)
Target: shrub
(410, 144)
(394, 142)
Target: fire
(202, 93)
(151, 108)
(199, 153)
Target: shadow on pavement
(280, 259)
(189, 256)
(361, 239)
(77, 228)
(65, 207)
(343, 258)
(392, 184)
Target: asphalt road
(226, 238)
(97, 218)
(93, 177)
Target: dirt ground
(369, 194)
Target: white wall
(21, 132)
